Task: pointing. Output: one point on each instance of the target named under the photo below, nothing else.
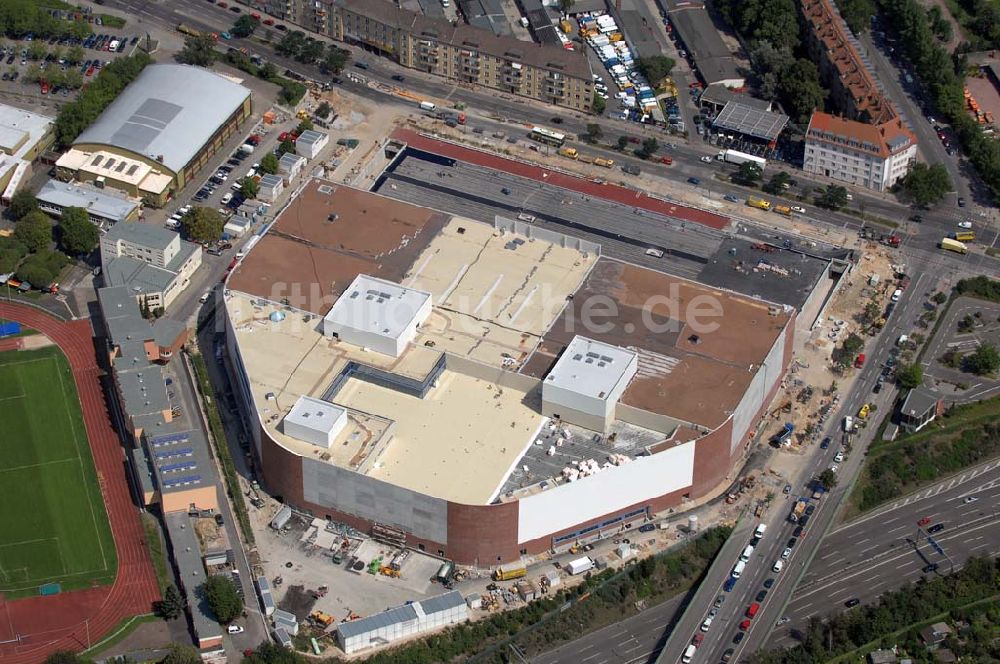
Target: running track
(611, 192)
(61, 622)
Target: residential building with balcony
(464, 53)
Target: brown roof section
(828, 28)
(696, 375)
(883, 140)
(553, 58)
(328, 235)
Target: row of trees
(943, 77)
(20, 17)
(71, 78)
(308, 50)
(200, 51)
(827, 638)
(79, 114)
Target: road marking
(896, 530)
(863, 541)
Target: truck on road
(783, 209)
(949, 244)
(508, 572)
(427, 107)
(737, 157)
(758, 203)
(569, 153)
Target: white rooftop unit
(315, 421)
(584, 386)
(378, 315)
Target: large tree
(34, 230)
(249, 187)
(925, 184)
(245, 25)
(909, 376)
(272, 653)
(198, 50)
(172, 604)
(777, 184)
(203, 224)
(223, 600)
(182, 654)
(77, 234)
(335, 59)
(41, 268)
(828, 479)
(748, 173)
(655, 68)
(833, 197)
(802, 90)
(21, 203)
(984, 361)
(269, 163)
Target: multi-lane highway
(887, 548)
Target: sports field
(53, 524)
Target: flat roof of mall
(589, 367)
(377, 306)
(327, 236)
(690, 249)
(697, 345)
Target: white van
(226, 198)
(896, 294)
(688, 654)
(759, 533)
(778, 565)
(848, 423)
(747, 552)
(740, 566)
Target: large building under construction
(446, 379)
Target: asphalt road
(634, 639)
(886, 549)
(203, 15)
(947, 339)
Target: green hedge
(222, 447)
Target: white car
(235, 629)
(839, 457)
(965, 224)
(707, 624)
(778, 566)
(786, 554)
(707, 159)
(834, 468)
(896, 294)
(799, 209)
(226, 198)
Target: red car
(753, 609)
(90, 70)
(745, 625)
(255, 15)
(268, 21)
(223, 5)
(860, 361)
(698, 638)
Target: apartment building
(866, 155)
(457, 52)
(835, 49)
(154, 263)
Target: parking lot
(63, 65)
(970, 323)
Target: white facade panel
(610, 490)
(768, 374)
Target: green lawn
(53, 524)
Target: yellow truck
(965, 236)
(865, 409)
(322, 619)
(587, 159)
(507, 573)
(953, 245)
(758, 203)
(783, 209)
(606, 163)
(570, 153)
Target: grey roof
(166, 331)
(120, 311)
(637, 34)
(138, 276)
(179, 457)
(187, 248)
(711, 56)
(271, 181)
(540, 22)
(191, 572)
(97, 202)
(748, 121)
(310, 136)
(142, 389)
(400, 614)
(142, 469)
(284, 616)
(486, 14)
(145, 235)
(918, 401)
(169, 111)
(720, 95)
(289, 159)
(281, 636)
(445, 602)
